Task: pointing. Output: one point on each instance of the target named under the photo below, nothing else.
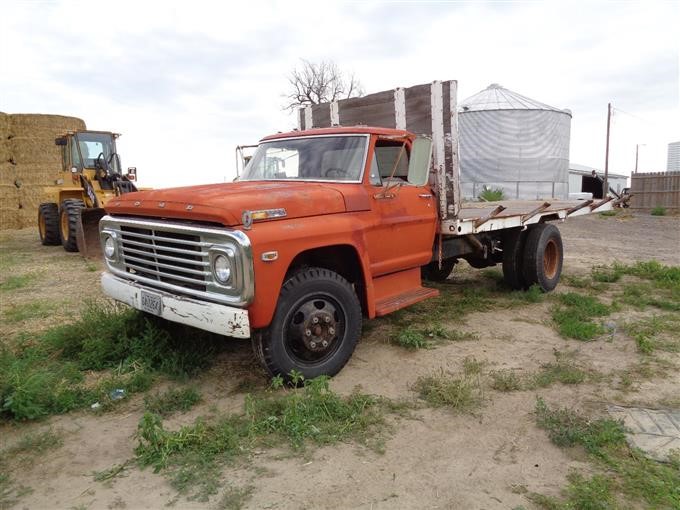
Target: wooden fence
(656, 189)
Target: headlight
(222, 269)
(109, 247)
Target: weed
(658, 211)
(606, 214)
(506, 380)
(491, 194)
(412, 339)
(579, 282)
(648, 333)
(570, 428)
(533, 294)
(573, 317)
(171, 401)
(233, 498)
(606, 274)
(109, 474)
(581, 493)
(16, 282)
(563, 371)
(44, 375)
(443, 389)
(28, 311)
(192, 455)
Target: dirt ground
(436, 459)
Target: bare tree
(320, 83)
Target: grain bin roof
(495, 97)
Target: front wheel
(316, 326)
(432, 272)
(69, 218)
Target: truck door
(403, 204)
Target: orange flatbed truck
(325, 227)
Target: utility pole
(605, 184)
(637, 149)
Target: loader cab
(89, 150)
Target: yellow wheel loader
(91, 174)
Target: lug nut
(312, 345)
(315, 320)
(324, 343)
(327, 319)
(331, 331)
(308, 332)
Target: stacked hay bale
(30, 162)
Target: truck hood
(225, 203)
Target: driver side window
(75, 156)
(387, 154)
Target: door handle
(425, 195)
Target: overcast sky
(186, 82)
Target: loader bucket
(87, 235)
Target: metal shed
(512, 142)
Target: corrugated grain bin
(512, 142)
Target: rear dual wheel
(533, 257)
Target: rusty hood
(225, 203)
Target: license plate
(152, 303)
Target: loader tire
(69, 218)
(315, 329)
(48, 224)
(513, 255)
(543, 256)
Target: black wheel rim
(314, 329)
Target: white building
(581, 180)
(673, 164)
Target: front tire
(543, 256)
(69, 218)
(316, 326)
(48, 224)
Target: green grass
(594, 493)
(458, 393)
(414, 338)
(107, 475)
(28, 311)
(43, 375)
(575, 313)
(626, 474)
(658, 211)
(172, 401)
(563, 370)
(191, 457)
(16, 282)
(606, 214)
(659, 332)
(491, 194)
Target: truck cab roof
(343, 130)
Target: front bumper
(220, 319)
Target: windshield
(92, 145)
(318, 158)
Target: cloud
(187, 82)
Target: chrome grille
(177, 257)
(169, 257)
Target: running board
(400, 301)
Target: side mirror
(419, 163)
(60, 141)
(132, 173)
